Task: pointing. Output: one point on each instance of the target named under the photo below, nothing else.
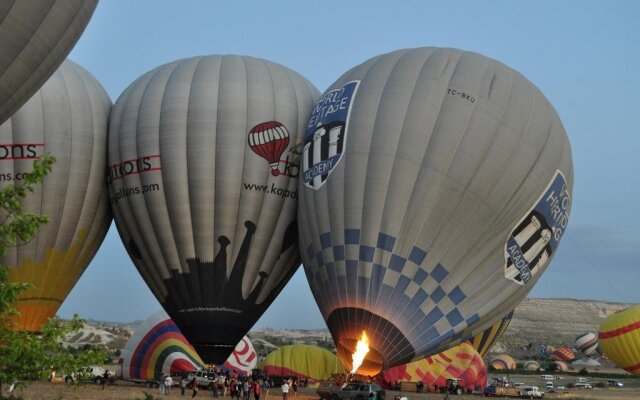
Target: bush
(583, 372)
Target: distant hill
(536, 321)
(554, 322)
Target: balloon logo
(269, 140)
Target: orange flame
(362, 348)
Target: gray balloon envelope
(66, 118)
(203, 167)
(35, 38)
(436, 184)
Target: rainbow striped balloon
(158, 347)
(619, 337)
(503, 361)
(461, 361)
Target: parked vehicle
(583, 385)
(501, 391)
(549, 385)
(205, 379)
(531, 392)
(349, 391)
(560, 387)
(615, 383)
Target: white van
(547, 377)
(549, 385)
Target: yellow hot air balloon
(619, 337)
(484, 341)
(67, 118)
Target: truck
(502, 391)
(531, 392)
(353, 390)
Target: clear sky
(584, 55)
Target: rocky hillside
(553, 322)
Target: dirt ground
(125, 390)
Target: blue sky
(585, 57)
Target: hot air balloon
(532, 365)
(208, 223)
(585, 363)
(560, 366)
(436, 185)
(462, 362)
(243, 359)
(502, 361)
(67, 118)
(619, 337)
(158, 347)
(303, 362)
(35, 38)
(562, 354)
(483, 342)
(587, 343)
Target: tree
(26, 355)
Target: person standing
(265, 388)
(246, 389)
(105, 378)
(183, 384)
(294, 386)
(256, 390)
(194, 386)
(168, 382)
(285, 390)
(161, 384)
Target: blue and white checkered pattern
(399, 290)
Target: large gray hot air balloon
(203, 168)
(35, 38)
(436, 184)
(67, 118)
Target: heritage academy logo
(532, 242)
(326, 135)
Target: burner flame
(362, 348)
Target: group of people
(220, 383)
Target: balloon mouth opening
(275, 172)
(372, 363)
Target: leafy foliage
(25, 355)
